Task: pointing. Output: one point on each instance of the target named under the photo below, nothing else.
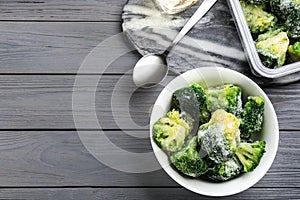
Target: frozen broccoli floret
(188, 160)
(252, 117)
(294, 51)
(226, 97)
(219, 137)
(169, 132)
(250, 154)
(284, 8)
(201, 97)
(272, 32)
(257, 1)
(225, 170)
(272, 51)
(257, 18)
(185, 100)
(293, 24)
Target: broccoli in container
(223, 147)
(294, 51)
(252, 117)
(250, 154)
(220, 136)
(274, 24)
(273, 49)
(225, 170)
(293, 24)
(257, 1)
(227, 97)
(257, 18)
(192, 100)
(188, 160)
(169, 132)
(284, 8)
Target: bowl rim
(166, 164)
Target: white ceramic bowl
(207, 77)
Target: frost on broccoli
(188, 160)
(272, 50)
(219, 137)
(201, 95)
(257, 18)
(252, 117)
(294, 51)
(257, 1)
(284, 8)
(169, 132)
(272, 32)
(250, 154)
(226, 97)
(293, 24)
(225, 170)
(186, 102)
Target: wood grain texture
(33, 102)
(60, 47)
(141, 193)
(61, 10)
(58, 158)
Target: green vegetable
(257, 1)
(185, 100)
(220, 136)
(272, 32)
(272, 51)
(250, 154)
(201, 97)
(169, 132)
(257, 18)
(293, 24)
(252, 117)
(226, 170)
(188, 160)
(294, 51)
(226, 97)
(284, 8)
(192, 100)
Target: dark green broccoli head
(284, 8)
(272, 51)
(257, 18)
(250, 154)
(201, 96)
(226, 97)
(294, 51)
(219, 137)
(293, 24)
(252, 117)
(170, 132)
(188, 160)
(226, 170)
(185, 100)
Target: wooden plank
(61, 10)
(34, 102)
(58, 158)
(61, 47)
(140, 193)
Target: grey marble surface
(214, 41)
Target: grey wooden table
(42, 45)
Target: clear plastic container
(256, 65)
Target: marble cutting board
(214, 40)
